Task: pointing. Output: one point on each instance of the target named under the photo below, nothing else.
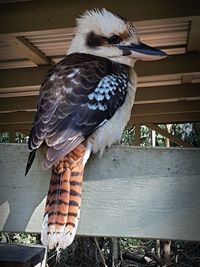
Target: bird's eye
(115, 39)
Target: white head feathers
(102, 24)
(102, 21)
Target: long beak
(143, 52)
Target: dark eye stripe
(94, 40)
(115, 39)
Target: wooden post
(153, 138)
(137, 134)
(12, 135)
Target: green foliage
(19, 137)
(128, 137)
(139, 245)
(189, 132)
(160, 139)
(145, 136)
(4, 137)
(19, 238)
(132, 243)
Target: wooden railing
(130, 192)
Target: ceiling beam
(17, 117)
(138, 110)
(45, 15)
(144, 95)
(25, 125)
(181, 64)
(12, 104)
(186, 63)
(166, 118)
(29, 51)
(166, 108)
(168, 93)
(193, 43)
(22, 77)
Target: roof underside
(36, 34)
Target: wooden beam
(166, 108)
(29, 51)
(16, 117)
(165, 133)
(23, 77)
(144, 95)
(138, 110)
(187, 78)
(12, 136)
(188, 63)
(24, 103)
(137, 134)
(21, 127)
(45, 15)
(166, 118)
(25, 126)
(128, 187)
(167, 93)
(193, 43)
(15, 92)
(171, 65)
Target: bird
(84, 104)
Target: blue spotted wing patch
(109, 94)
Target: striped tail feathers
(62, 209)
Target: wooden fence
(130, 192)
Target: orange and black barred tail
(63, 201)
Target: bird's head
(103, 33)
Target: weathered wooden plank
(29, 51)
(131, 191)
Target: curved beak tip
(144, 52)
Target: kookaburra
(84, 105)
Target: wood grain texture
(130, 192)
